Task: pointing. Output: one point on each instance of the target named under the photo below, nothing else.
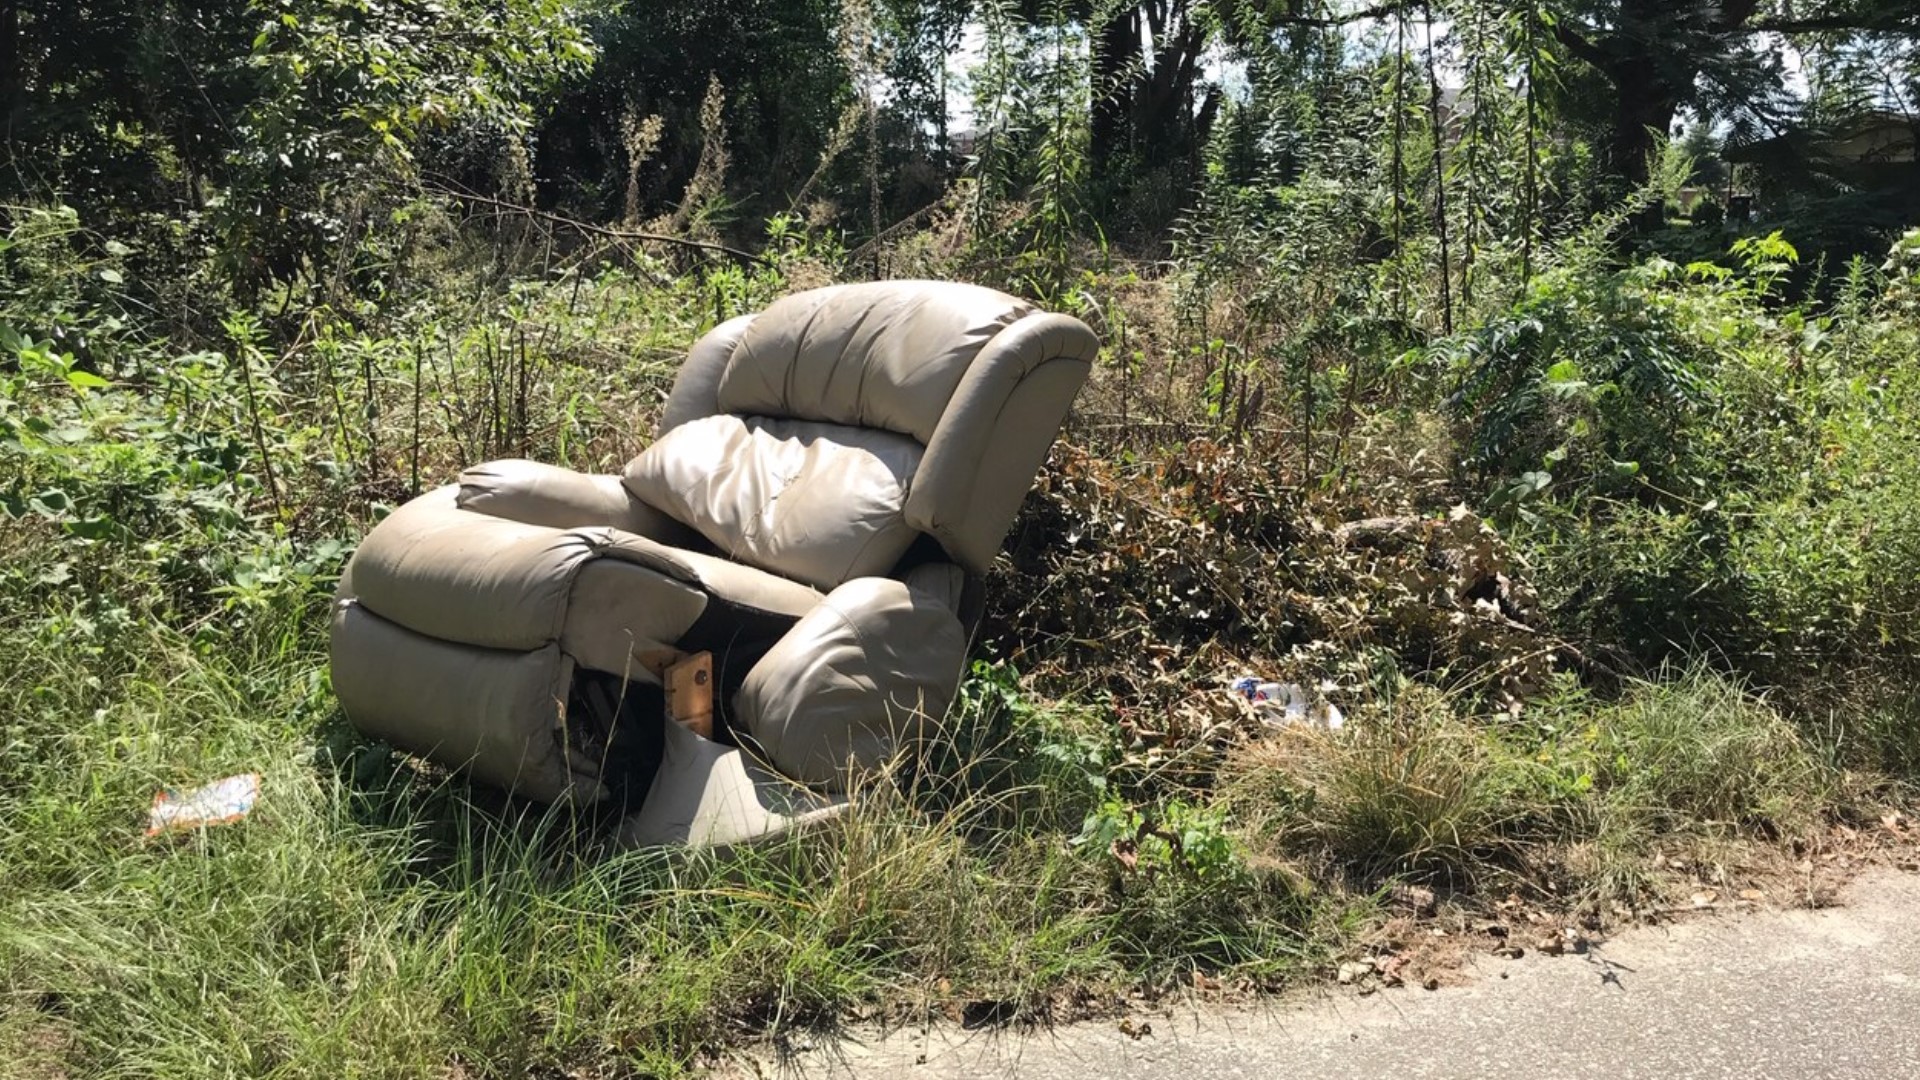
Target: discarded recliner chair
(829, 479)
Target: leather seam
(860, 384)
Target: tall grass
(369, 919)
(1580, 794)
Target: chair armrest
(866, 674)
(536, 494)
(745, 587)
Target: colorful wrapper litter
(217, 803)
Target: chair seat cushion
(819, 503)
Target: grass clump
(1407, 789)
(1578, 795)
(1693, 765)
(1699, 753)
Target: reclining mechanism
(829, 479)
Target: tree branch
(1377, 11)
(1733, 14)
(588, 227)
(1578, 45)
(1820, 24)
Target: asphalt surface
(1830, 993)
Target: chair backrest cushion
(981, 379)
(816, 502)
(885, 354)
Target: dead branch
(503, 207)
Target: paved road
(1833, 993)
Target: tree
(1151, 105)
(1721, 58)
(1703, 149)
(120, 99)
(286, 110)
(1145, 73)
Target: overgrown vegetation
(1601, 529)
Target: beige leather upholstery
(456, 633)
(856, 681)
(994, 435)
(696, 389)
(884, 355)
(478, 580)
(620, 615)
(820, 503)
(470, 578)
(813, 464)
(706, 794)
(504, 726)
(721, 579)
(536, 494)
(986, 406)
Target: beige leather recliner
(828, 479)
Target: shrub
(1694, 467)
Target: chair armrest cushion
(867, 673)
(995, 432)
(536, 494)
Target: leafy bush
(1696, 467)
(1202, 558)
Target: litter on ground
(1281, 704)
(217, 803)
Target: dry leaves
(1203, 559)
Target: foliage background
(1597, 518)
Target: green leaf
(51, 503)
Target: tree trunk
(10, 81)
(1142, 103)
(1118, 46)
(1643, 110)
